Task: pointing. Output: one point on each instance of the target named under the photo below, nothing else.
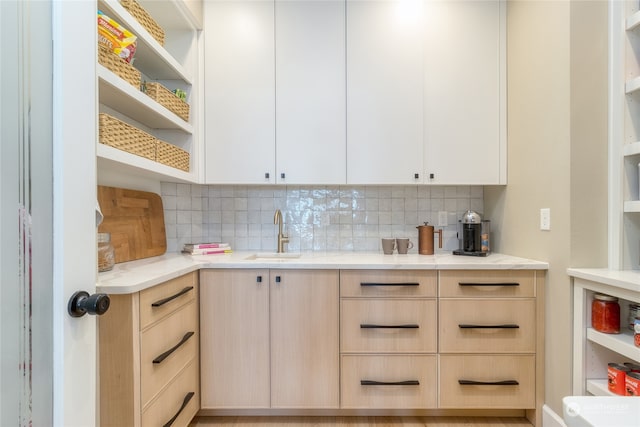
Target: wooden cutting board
(135, 220)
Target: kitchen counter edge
(135, 276)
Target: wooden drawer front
(487, 283)
(159, 301)
(185, 388)
(389, 369)
(392, 326)
(500, 316)
(161, 338)
(487, 368)
(388, 283)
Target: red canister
(605, 314)
(617, 374)
(632, 384)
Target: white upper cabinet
(384, 92)
(464, 92)
(310, 91)
(239, 92)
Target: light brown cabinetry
(269, 339)
(149, 356)
(388, 339)
(491, 339)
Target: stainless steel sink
(274, 256)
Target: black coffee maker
(471, 230)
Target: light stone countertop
(138, 275)
(624, 279)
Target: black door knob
(82, 303)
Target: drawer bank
(322, 334)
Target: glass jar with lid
(106, 253)
(605, 314)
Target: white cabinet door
(464, 92)
(310, 91)
(239, 90)
(384, 92)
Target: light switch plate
(545, 219)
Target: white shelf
(632, 85)
(112, 158)
(632, 206)
(151, 58)
(174, 15)
(599, 387)
(633, 21)
(631, 149)
(621, 343)
(120, 95)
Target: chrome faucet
(282, 239)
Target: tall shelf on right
(625, 134)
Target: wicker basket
(119, 66)
(143, 17)
(125, 137)
(167, 98)
(173, 156)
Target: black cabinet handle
(506, 326)
(172, 297)
(489, 284)
(185, 402)
(278, 279)
(370, 326)
(389, 284)
(266, 175)
(370, 382)
(167, 353)
(416, 175)
(282, 175)
(431, 176)
(259, 279)
(471, 382)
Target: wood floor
(359, 422)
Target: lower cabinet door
(389, 381)
(178, 403)
(487, 381)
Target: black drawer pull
(389, 284)
(507, 326)
(370, 326)
(166, 354)
(185, 402)
(488, 284)
(471, 382)
(172, 297)
(370, 382)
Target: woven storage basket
(125, 137)
(119, 66)
(173, 156)
(143, 17)
(167, 98)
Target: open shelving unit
(593, 350)
(175, 65)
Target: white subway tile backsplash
(316, 218)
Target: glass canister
(605, 314)
(106, 253)
(636, 332)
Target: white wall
(556, 157)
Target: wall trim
(550, 418)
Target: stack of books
(206, 248)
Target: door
(384, 92)
(47, 202)
(239, 92)
(305, 332)
(310, 92)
